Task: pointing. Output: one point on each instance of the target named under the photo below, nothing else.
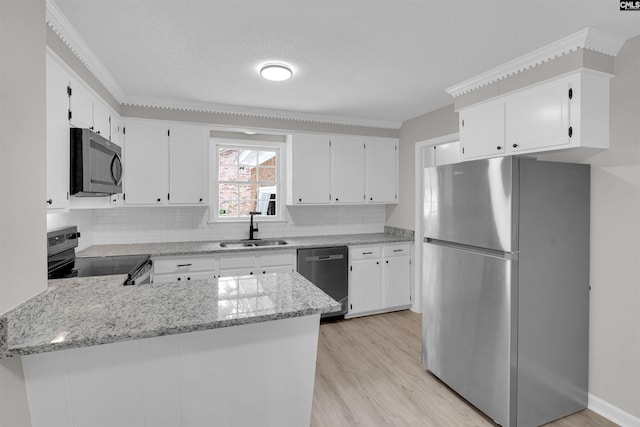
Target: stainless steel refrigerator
(506, 286)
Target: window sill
(247, 221)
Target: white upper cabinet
(309, 169)
(347, 157)
(102, 119)
(57, 136)
(340, 169)
(482, 130)
(145, 163)
(381, 170)
(188, 164)
(165, 163)
(566, 112)
(80, 105)
(538, 117)
(446, 154)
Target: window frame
(278, 147)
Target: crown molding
(73, 40)
(76, 44)
(589, 38)
(232, 110)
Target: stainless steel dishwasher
(327, 268)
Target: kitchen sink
(251, 243)
(270, 242)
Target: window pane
(267, 199)
(247, 181)
(228, 173)
(266, 174)
(247, 206)
(228, 192)
(228, 208)
(246, 173)
(247, 191)
(248, 158)
(227, 156)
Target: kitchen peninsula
(234, 350)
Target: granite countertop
(74, 313)
(210, 247)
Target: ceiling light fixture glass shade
(276, 72)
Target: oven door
(141, 275)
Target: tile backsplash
(174, 224)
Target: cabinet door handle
(499, 147)
(184, 265)
(179, 278)
(188, 278)
(50, 201)
(158, 199)
(201, 199)
(515, 145)
(299, 200)
(387, 262)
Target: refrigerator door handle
(513, 256)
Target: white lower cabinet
(365, 286)
(257, 262)
(184, 268)
(379, 278)
(396, 275)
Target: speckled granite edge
(44, 348)
(399, 232)
(99, 310)
(4, 350)
(213, 247)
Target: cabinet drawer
(199, 275)
(183, 264)
(277, 259)
(364, 252)
(403, 249)
(237, 261)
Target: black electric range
(63, 263)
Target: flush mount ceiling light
(276, 72)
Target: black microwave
(96, 164)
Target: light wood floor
(369, 374)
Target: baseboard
(613, 413)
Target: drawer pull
(367, 253)
(398, 250)
(184, 265)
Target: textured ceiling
(378, 60)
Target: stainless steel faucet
(253, 229)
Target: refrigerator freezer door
(467, 339)
(471, 203)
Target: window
(246, 179)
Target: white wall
(614, 366)
(175, 224)
(440, 122)
(22, 178)
(614, 318)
